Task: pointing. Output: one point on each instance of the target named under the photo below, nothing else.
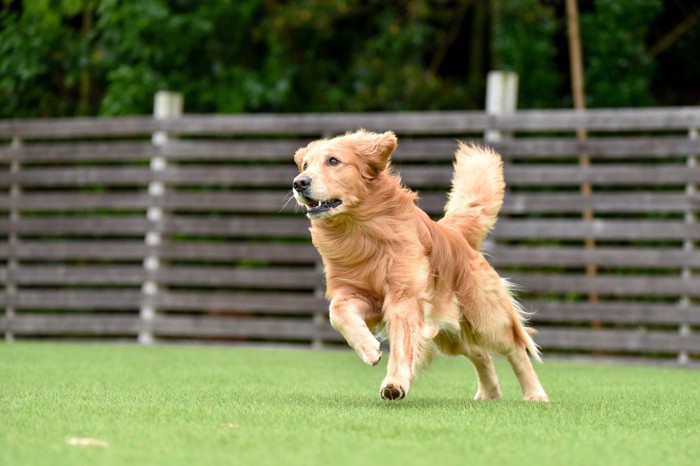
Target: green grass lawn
(175, 405)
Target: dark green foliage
(40, 62)
(203, 49)
(108, 57)
(523, 42)
(618, 69)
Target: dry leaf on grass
(228, 425)
(87, 442)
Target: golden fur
(388, 264)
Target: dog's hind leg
(496, 324)
(349, 314)
(488, 388)
(463, 344)
(514, 344)
(529, 382)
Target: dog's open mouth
(318, 209)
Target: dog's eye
(333, 161)
(305, 166)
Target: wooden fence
(177, 228)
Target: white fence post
(166, 105)
(501, 97)
(13, 242)
(688, 244)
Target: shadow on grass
(409, 404)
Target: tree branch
(683, 27)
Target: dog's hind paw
(541, 397)
(481, 395)
(392, 392)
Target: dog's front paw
(373, 358)
(394, 388)
(392, 392)
(370, 354)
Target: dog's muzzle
(314, 208)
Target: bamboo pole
(579, 98)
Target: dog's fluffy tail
(477, 192)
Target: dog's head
(336, 174)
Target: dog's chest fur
(368, 256)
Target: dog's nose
(301, 183)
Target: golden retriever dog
(388, 265)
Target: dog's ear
(299, 156)
(376, 149)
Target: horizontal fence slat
(83, 226)
(602, 256)
(255, 176)
(269, 202)
(619, 312)
(619, 175)
(66, 324)
(617, 340)
(245, 328)
(523, 203)
(606, 202)
(443, 149)
(67, 128)
(83, 176)
(51, 201)
(632, 146)
(315, 124)
(110, 275)
(233, 150)
(613, 285)
(238, 226)
(277, 201)
(76, 250)
(543, 148)
(408, 150)
(449, 122)
(131, 250)
(275, 278)
(417, 177)
(573, 175)
(53, 152)
(623, 119)
(84, 300)
(240, 302)
(413, 176)
(630, 230)
(268, 252)
(113, 275)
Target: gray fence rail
(178, 229)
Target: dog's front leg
(404, 323)
(349, 314)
